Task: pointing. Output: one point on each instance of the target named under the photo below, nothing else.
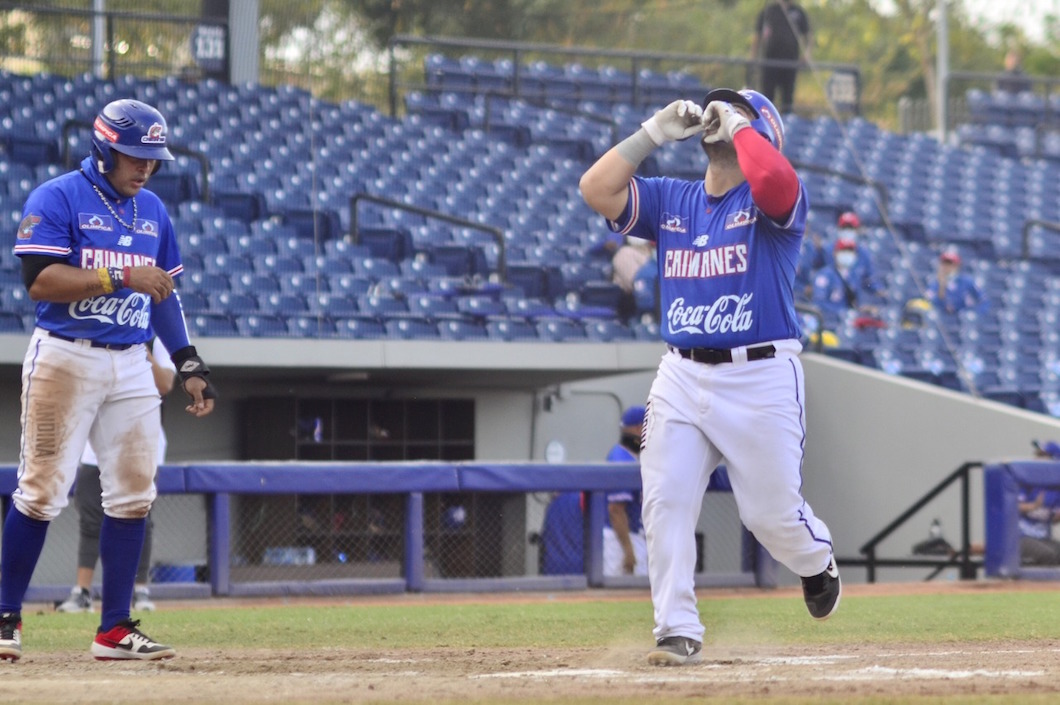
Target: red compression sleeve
(774, 183)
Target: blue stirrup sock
(19, 551)
(120, 543)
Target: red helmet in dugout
(132, 128)
(766, 120)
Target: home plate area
(983, 667)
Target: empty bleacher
(271, 250)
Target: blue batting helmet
(766, 121)
(132, 128)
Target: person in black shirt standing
(782, 33)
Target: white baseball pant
(749, 415)
(72, 392)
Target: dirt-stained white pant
(749, 415)
(72, 392)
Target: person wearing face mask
(816, 253)
(843, 285)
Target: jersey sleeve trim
(632, 212)
(50, 251)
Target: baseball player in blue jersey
(99, 257)
(730, 386)
(625, 550)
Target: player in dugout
(730, 386)
(99, 256)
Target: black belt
(92, 343)
(717, 356)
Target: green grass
(781, 620)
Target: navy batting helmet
(766, 120)
(132, 128)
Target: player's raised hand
(677, 121)
(721, 122)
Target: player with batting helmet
(99, 256)
(730, 386)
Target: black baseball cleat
(675, 651)
(10, 636)
(822, 592)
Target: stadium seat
(449, 329)
(511, 329)
(212, 325)
(360, 328)
(332, 304)
(559, 330)
(410, 328)
(311, 327)
(258, 326)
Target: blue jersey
(620, 454)
(961, 292)
(726, 270)
(67, 219)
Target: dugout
(1003, 483)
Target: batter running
(99, 257)
(730, 386)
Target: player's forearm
(62, 284)
(773, 181)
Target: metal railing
(961, 558)
(497, 233)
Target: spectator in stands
(844, 285)
(782, 33)
(625, 264)
(646, 290)
(88, 495)
(816, 253)
(951, 291)
(1013, 79)
(625, 550)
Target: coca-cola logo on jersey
(133, 311)
(728, 314)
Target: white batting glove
(677, 121)
(722, 122)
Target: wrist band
(637, 147)
(117, 277)
(105, 280)
(126, 276)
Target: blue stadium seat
(304, 284)
(433, 307)
(278, 265)
(450, 329)
(480, 307)
(256, 283)
(607, 331)
(511, 329)
(410, 328)
(10, 322)
(394, 244)
(194, 302)
(376, 269)
(382, 306)
(258, 326)
(349, 284)
(212, 325)
(459, 260)
(333, 305)
(199, 280)
(360, 328)
(233, 302)
(311, 327)
(560, 330)
(280, 304)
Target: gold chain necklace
(114, 212)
